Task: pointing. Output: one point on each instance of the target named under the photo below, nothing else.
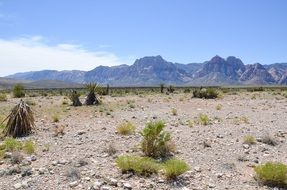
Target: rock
(7, 154)
(26, 172)
(81, 132)
(246, 146)
(97, 185)
(2, 173)
(106, 188)
(26, 162)
(42, 171)
(113, 182)
(14, 170)
(33, 158)
(62, 162)
(197, 169)
(219, 175)
(73, 184)
(17, 185)
(25, 184)
(127, 186)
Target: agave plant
(92, 99)
(20, 121)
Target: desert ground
(81, 158)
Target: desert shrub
(20, 121)
(284, 94)
(12, 144)
(218, 107)
(91, 98)
(203, 119)
(272, 174)
(186, 90)
(248, 139)
(3, 97)
(18, 91)
(110, 149)
(56, 118)
(208, 93)
(74, 97)
(31, 102)
(139, 165)
(29, 147)
(126, 128)
(174, 111)
(161, 87)
(156, 142)
(173, 168)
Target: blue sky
(82, 34)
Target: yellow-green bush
(173, 168)
(126, 128)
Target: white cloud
(32, 53)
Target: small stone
(26, 172)
(211, 186)
(197, 169)
(97, 184)
(73, 184)
(106, 188)
(113, 182)
(7, 154)
(54, 163)
(81, 132)
(219, 175)
(246, 146)
(17, 185)
(127, 186)
(33, 158)
(62, 162)
(25, 184)
(42, 171)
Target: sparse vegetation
(218, 107)
(18, 91)
(173, 168)
(21, 121)
(161, 87)
(11, 144)
(203, 119)
(272, 174)
(56, 117)
(126, 128)
(3, 97)
(174, 111)
(29, 147)
(208, 93)
(91, 98)
(249, 139)
(156, 142)
(74, 97)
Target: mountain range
(153, 70)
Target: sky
(83, 34)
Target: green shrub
(272, 174)
(12, 144)
(18, 91)
(208, 93)
(56, 118)
(156, 142)
(3, 97)
(126, 128)
(139, 165)
(29, 147)
(203, 119)
(248, 139)
(218, 107)
(173, 168)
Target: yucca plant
(20, 121)
(74, 97)
(91, 97)
(156, 142)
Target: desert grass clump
(174, 111)
(21, 121)
(173, 168)
(3, 97)
(91, 98)
(161, 88)
(18, 91)
(249, 139)
(156, 142)
(11, 144)
(218, 107)
(203, 119)
(126, 128)
(59, 130)
(139, 165)
(272, 174)
(56, 118)
(74, 97)
(29, 147)
(16, 157)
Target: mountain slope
(153, 70)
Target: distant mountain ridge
(153, 70)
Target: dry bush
(21, 121)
